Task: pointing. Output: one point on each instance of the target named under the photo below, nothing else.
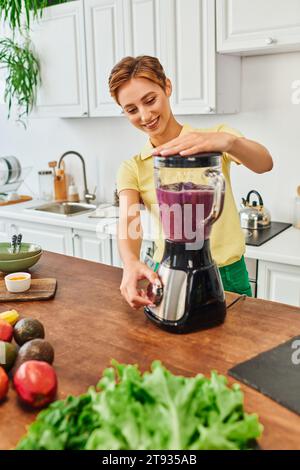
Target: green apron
(235, 278)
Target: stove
(261, 236)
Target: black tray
(275, 373)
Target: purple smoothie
(185, 222)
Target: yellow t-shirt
(227, 241)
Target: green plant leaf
(12, 10)
(156, 410)
(22, 76)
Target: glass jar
(46, 185)
(190, 193)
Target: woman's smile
(152, 125)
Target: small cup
(17, 282)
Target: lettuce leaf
(157, 410)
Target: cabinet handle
(209, 109)
(13, 228)
(270, 41)
(75, 236)
(85, 114)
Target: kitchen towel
(275, 373)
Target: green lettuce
(157, 410)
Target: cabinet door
(60, 46)
(105, 47)
(92, 246)
(190, 28)
(251, 265)
(116, 260)
(258, 26)
(145, 28)
(51, 238)
(279, 282)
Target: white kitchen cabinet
(114, 29)
(144, 28)
(51, 238)
(258, 26)
(92, 246)
(116, 260)
(181, 33)
(203, 82)
(104, 27)
(79, 42)
(252, 268)
(59, 42)
(279, 282)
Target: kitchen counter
(81, 222)
(88, 323)
(284, 248)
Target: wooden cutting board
(40, 289)
(16, 201)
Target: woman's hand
(132, 273)
(196, 142)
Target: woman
(140, 86)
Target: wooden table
(88, 324)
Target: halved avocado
(8, 355)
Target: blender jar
(190, 193)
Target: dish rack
(14, 186)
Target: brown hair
(136, 67)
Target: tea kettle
(254, 215)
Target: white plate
(14, 168)
(4, 171)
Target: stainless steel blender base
(172, 306)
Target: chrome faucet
(87, 196)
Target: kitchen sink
(65, 208)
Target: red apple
(3, 383)
(36, 383)
(6, 331)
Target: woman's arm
(129, 221)
(129, 244)
(251, 154)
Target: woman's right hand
(134, 272)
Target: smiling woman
(139, 85)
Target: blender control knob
(155, 292)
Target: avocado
(8, 354)
(37, 350)
(28, 329)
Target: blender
(190, 193)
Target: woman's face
(146, 105)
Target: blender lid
(192, 161)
